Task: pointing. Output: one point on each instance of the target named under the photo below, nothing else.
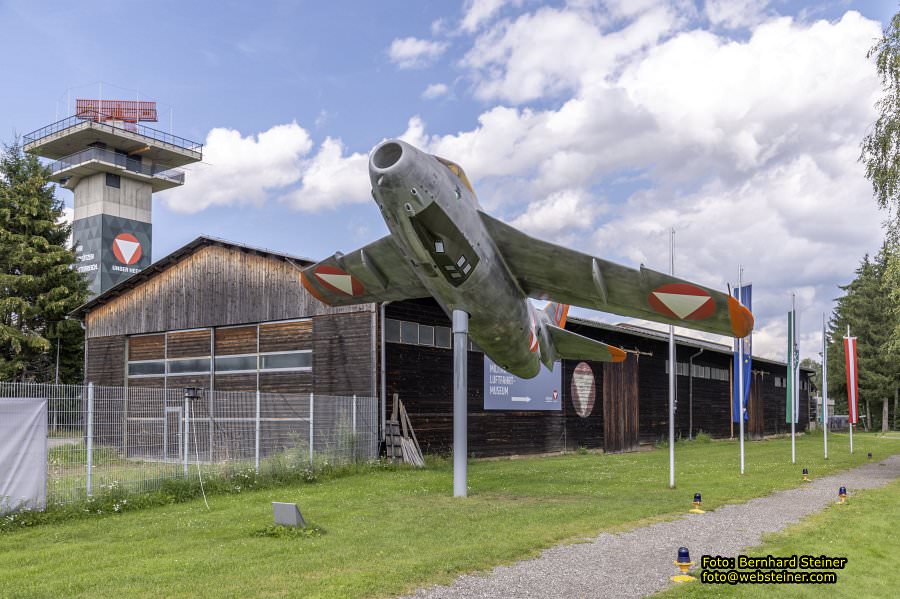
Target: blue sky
(595, 124)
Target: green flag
(789, 406)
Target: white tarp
(23, 454)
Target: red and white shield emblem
(126, 248)
(682, 301)
(336, 280)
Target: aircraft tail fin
(557, 313)
(573, 346)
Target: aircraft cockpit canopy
(459, 172)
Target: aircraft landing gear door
(172, 431)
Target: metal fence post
(354, 442)
(257, 430)
(187, 427)
(89, 442)
(311, 438)
(354, 415)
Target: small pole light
(288, 514)
(684, 564)
(697, 501)
(870, 455)
(806, 475)
(842, 495)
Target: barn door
(756, 423)
(620, 406)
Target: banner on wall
(505, 391)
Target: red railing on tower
(129, 111)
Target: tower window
(113, 180)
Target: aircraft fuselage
(433, 215)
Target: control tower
(113, 164)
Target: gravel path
(639, 562)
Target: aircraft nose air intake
(387, 155)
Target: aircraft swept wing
(548, 271)
(377, 272)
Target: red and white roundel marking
(584, 390)
(126, 248)
(336, 280)
(682, 301)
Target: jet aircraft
(442, 245)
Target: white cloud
(559, 214)
(414, 53)
(242, 170)
(332, 179)
(435, 90)
(478, 12)
(734, 14)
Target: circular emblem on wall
(584, 390)
(126, 248)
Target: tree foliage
(38, 284)
(881, 147)
(869, 310)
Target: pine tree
(39, 286)
(868, 309)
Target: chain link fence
(133, 437)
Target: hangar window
(188, 366)
(147, 368)
(236, 363)
(409, 332)
(442, 337)
(413, 333)
(426, 335)
(392, 330)
(293, 360)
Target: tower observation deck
(113, 164)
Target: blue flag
(746, 294)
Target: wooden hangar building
(229, 317)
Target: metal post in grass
(673, 365)
(311, 429)
(190, 394)
(354, 429)
(256, 451)
(89, 441)
(460, 397)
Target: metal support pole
(794, 393)
(354, 415)
(311, 427)
(89, 441)
(825, 385)
(460, 397)
(673, 367)
(187, 430)
(741, 375)
(256, 443)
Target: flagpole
(794, 389)
(825, 383)
(849, 407)
(672, 367)
(741, 372)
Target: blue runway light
(684, 564)
(697, 501)
(842, 495)
(697, 497)
(806, 475)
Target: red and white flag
(852, 378)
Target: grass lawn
(863, 531)
(387, 532)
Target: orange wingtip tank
(312, 289)
(618, 355)
(741, 318)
